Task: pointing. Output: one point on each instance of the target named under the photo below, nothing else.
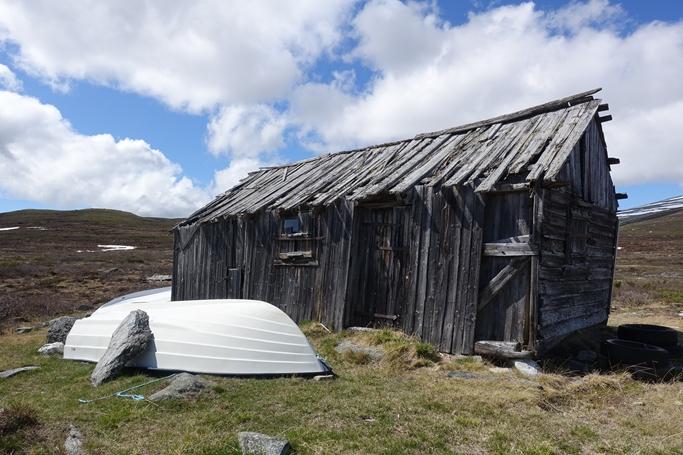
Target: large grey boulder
(56, 348)
(374, 353)
(130, 339)
(260, 444)
(73, 445)
(59, 328)
(183, 385)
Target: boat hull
(226, 336)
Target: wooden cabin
(503, 229)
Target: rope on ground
(123, 394)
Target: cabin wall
(578, 236)
(587, 171)
(240, 258)
(434, 274)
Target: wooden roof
(533, 144)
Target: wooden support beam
(501, 350)
(510, 249)
(499, 281)
(621, 196)
(604, 119)
(603, 107)
(612, 161)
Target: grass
(385, 407)
(404, 403)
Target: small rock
(52, 348)
(24, 329)
(463, 375)
(158, 277)
(59, 329)
(260, 444)
(130, 339)
(499, 370)
(587, 356)
(19, 319)
(374, 353)
(13, 371)
(84, 307)
(323, 377)
(108, 271)
(360, 329)
(527, 367)
(73, 445)
(182, 385)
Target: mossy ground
(402, 404)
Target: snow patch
(9, 228)
(109, 248)
(116, 247)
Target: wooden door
(504, 303)
(382, 261)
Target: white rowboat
(227, 336)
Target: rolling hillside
(51, 262)
(649, 276)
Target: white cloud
(8, 80)
(501, 60)
(239, 168)
(43, 159)
(190, 55)
(244, 131)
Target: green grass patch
(381, 407)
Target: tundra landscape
(409, 398)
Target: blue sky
(182, 128)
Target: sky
(156, 107)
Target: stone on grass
(13, 371)
(24, 329)
(527, 367)
(59, 328)
(463, 375)
(361, 329)
(56, 348)
(84, 307)
(499, 370)
(130, 339)
(183, 385)
(374, 353)
(73, 445)
(260, 444)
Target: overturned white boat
(233, 337)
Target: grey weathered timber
(501, 230)
(501, 349)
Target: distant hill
(53, 262)
(97, 216)
(652, 210)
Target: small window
(291, 225)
